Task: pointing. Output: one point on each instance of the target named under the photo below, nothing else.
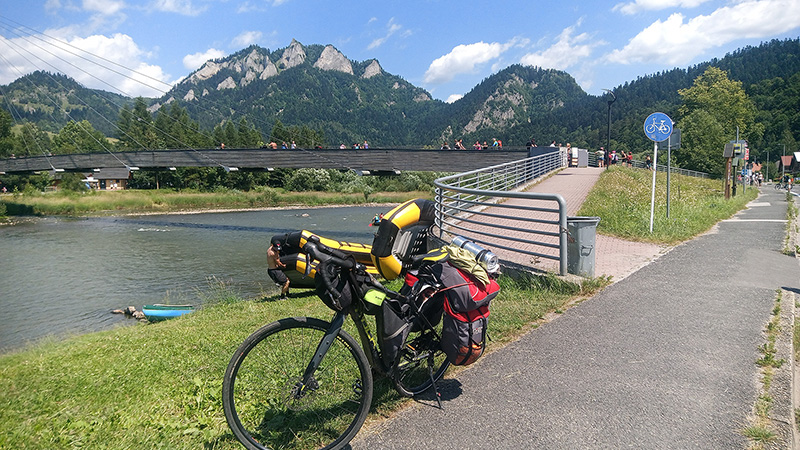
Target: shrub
(309, 180)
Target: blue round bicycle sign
(658, 127)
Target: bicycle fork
(308, 381)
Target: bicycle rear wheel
(267, 405)
(421, 361)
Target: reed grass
(166, 201)
(622, 196)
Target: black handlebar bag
(333, 286)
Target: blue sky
(445, 47)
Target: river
(64, 276)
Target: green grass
(159, 385)
(165, 201)
(760, 430)
(621, 198)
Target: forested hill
(769, 73)
(348, 101)
(52, 100)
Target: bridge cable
(255, 119)
(164, 132)
(70, 116)
(31, 34)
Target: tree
(713, 109)
(6, 141)
(33, 141)
(73, 182)
(79, 137)
(136, 128)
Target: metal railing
(593, 161)
(489, 207)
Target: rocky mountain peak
(332, 59)
(372, 69)
(294, 55)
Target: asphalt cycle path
(663, 359)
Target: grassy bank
(159, 385)
(621, 198)
(166, 201)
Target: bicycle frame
(366, 337)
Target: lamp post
(608, 130)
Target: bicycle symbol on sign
(662, 128)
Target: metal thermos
(482, 255)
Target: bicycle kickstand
(433, 384)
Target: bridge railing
(593, 161)
(489, 207)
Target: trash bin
(580, 245)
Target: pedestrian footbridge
(364, 161)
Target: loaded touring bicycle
(303, 382)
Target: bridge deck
(374, 160)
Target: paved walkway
(662, 359)
(615, 257)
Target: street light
(608, 132)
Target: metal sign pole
(653, 193)
(657, 128)
(669, 168)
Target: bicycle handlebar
(323, 253)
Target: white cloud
(637, 6)
(391, 28)
(454, 98)
(463, 59)
(183, 7)
(570, 49)
(103, 7)
(102, 62)
(246, 38)
(676, 42)
(52, 6)
(196, 60)
(248, 7)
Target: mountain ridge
(351, 101)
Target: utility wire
(32, 33)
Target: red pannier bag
(466, 315)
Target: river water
(61, 276)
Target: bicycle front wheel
(266, 403)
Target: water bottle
(482, 255)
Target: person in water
(274, 266)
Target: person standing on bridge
(275, 266)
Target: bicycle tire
(260, 389)
(421, 352)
